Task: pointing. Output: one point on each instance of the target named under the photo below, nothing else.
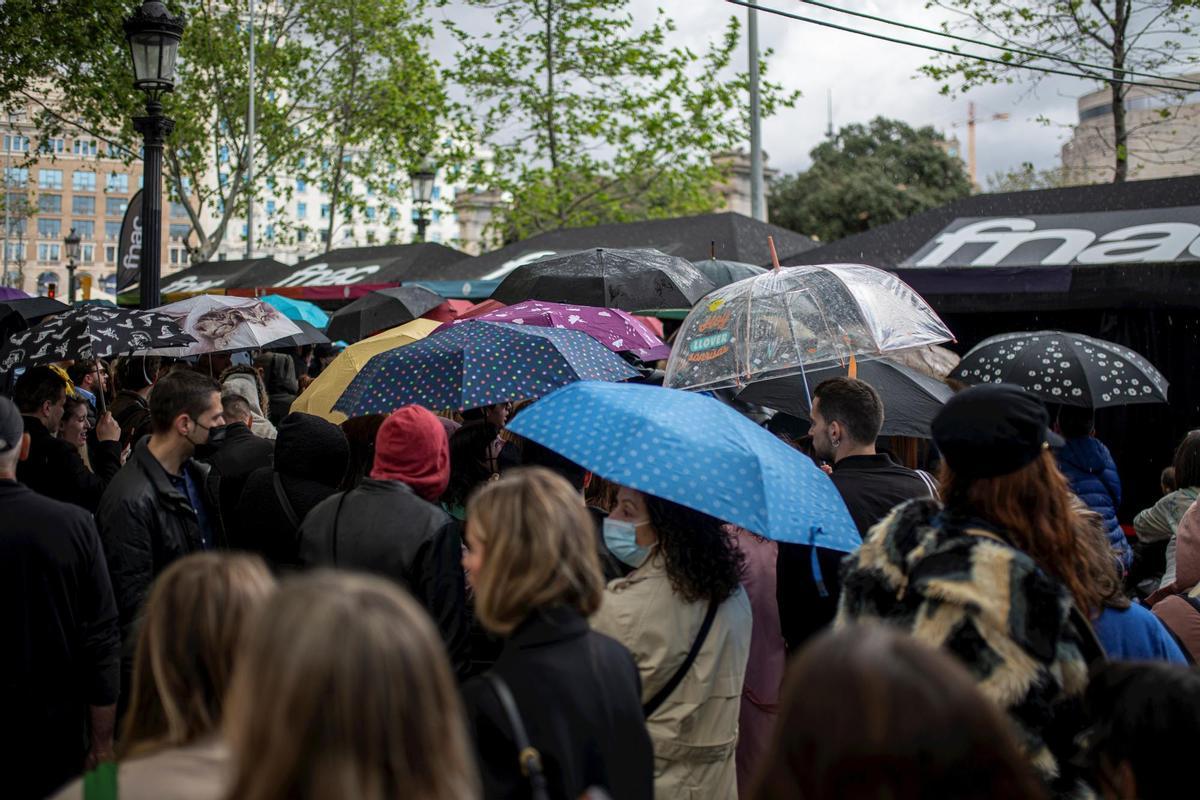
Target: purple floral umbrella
(617, 330)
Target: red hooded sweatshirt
(411, 447)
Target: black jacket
(55, 468)
(236, 457)
(58, 623)
(381, 526)
(871, 486)
(132, 413)
(146, 523)
(580, 697)
(279, 376)
(310, 459)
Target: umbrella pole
(100, 394)
(774, 255)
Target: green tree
(325, 93)
(868, 175)
(1028, 177)
(590, 119)
(1153, 36)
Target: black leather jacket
(146, 523)
(383, 527)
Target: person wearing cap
(390, 524)
(58, 622)
(997, 575)
(55, 467)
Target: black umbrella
(910, 400)
(380, 310)
(723, 273)
(633, 280)
(89, 332)
(18, 314)
(308, 335)
(1066, 368)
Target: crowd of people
(209, 597)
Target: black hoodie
(311, 455)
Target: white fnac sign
(320, 274)
(1153, 235)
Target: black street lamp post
(153, 36)
(72, 243)
(422, 194)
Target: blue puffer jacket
(1093, 475)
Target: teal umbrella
(298, 310)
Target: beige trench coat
(695, 730)
(198, 771)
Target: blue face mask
(620, 537)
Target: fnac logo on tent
(320, 274)
(191, 283)
(1154, 235)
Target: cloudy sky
(867, 78)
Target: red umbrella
(449, 311)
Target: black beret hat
(992, 429)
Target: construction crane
(972, 121)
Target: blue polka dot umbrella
(694, 451)
(479, 364)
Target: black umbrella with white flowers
(1066, 368)
(88, 332)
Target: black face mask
(216, 437)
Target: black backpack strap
(284, 503)
(650, 706)
(529, 759)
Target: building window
(270, 207)
(19, 176)
(115, 206)
(437, 215)
(50, 203)
(174, 255)
(113, 150)
(301, 186)
(301, 210)
(437, 193)
(371, 213)
(222, 178)
(83, 205)
(370, 237)
(87, 253)
(16, 144)
(49, 228)
(324, 237)
(223, 155)
(85, 147)
(83, 181)
(141, 180)
(348, 235)
(16, 227)
(53, 146)
(178, 211)
(86, 228)
(16, 251)
(117, 182)
(245, 231)
(324, 211)
(112, 231)
(48, 252)
(50, 179)
(179, 232)
(302, 235)
(110, 253)
(270, 232)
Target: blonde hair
(345, 691)
(539, 549)
(186, 647)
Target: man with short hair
(160, 506)
(58, 622)
(54, 467)
(238, 452)
(847, 415)
(90, 379)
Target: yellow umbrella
(323, 392)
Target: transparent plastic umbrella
(787, 320)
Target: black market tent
(341, 273)
(1117, 261)
(217, 275)
(735, 237)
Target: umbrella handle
(100, 394)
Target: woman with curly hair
(685, 617)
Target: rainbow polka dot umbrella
(478, 364)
